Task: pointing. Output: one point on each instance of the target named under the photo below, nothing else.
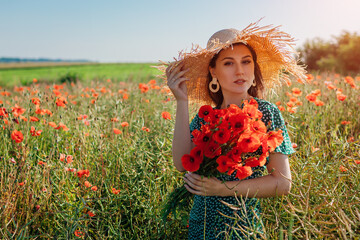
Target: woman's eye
(228, 63)
(246, 62)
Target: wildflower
(166, 115)
(41, 163)
(17, 136)
(296, 92)
(22, 183)
(87, 184)
(124, 124)
(61, 102)
(62, 157)
(85, 173)
(143, 87)
(281, 108)
(79, 233)
(341, 97)
(94, 188)
(278, 103)
(63, 126)
(116, 131)
(17, 111)
(313, 149)
(294, 145)
(114, 119)
(190, 163)
(34, 119)
(342, 168)
(52, 124)
(91, 214)
(145, 129)
(345, 122)
(357, 161)
(35, 80)
(69, 159)
(319, 103)
(35, 133)
(115, 191)
(35, 101)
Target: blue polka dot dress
(216, 217)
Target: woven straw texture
(275, 55)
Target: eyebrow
(233, 58)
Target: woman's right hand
(176, 81)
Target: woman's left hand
(201, 185)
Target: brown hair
(256, 91)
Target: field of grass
(86, 72)
(112, 127)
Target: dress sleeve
(277, 122)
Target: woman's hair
(256, 91)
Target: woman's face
(234, 69)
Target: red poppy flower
(206, 112)
(296, 92)
(35, 133)
(87, 184)
(115, 191)
(224, 163)
(61, 102)
(238, 122)
(190, 163)
(91, 214)
(197, 153)
(243, 172)
(202, 138)
(3, 113)
(85, 173)
(235, 154)
(94, 188)
(252, 111)
(35, 101)
(221, 136)
(212, 150)
(17, 111)
(345, 122)
(275, 138)
(249, 142)
(311, 97)
(341, 97)
(124, 124)
(117, 131)
(34, 119)
(319, 103)
(79, 233)
(17, 136)
(166, 115)
(258, 127)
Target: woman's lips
(240, 81)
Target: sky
(153, 30)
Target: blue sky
(148, 31)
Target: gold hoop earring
(214, 82)
(254, 83)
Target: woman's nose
(239, 69)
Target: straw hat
(276, 57)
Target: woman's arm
(276, 183)
(181, 141)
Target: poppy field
(93, 160)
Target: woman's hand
(203, 186)
(176, 81)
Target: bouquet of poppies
(231, 141)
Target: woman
(235, 66)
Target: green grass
(87, 73)
(324, 202)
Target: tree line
(340, 54)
